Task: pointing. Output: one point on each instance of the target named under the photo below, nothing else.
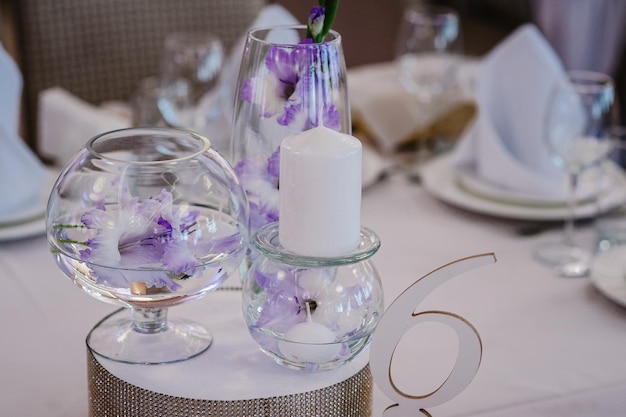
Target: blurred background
(100, 49)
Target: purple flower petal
(332, 117)
(316, 20)
(279, 63)
(178, 259)
(247, 91)
(273, 165)
(145, 241)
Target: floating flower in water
(291, 292)
(294, 295)
(153, 241)
(138, 235)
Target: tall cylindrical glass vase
(287, 84)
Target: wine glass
(429, 49)
(610, 223)
(189, 89)
(147, 218)
(579, 117)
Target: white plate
(589, 187)
(35, 210)
(373, 166)
(440, 180)
(34, 227)
(24, 213)
(608, 274)
(29, 221)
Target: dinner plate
(373, 166)
(440, 180)
(30, 220)
(35, 209)
(30, 228)
(608, 274)
(590, 185)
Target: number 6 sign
(401, 316)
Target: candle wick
(308, 313)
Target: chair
(99, 50)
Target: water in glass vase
(135, 271)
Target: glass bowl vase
(312, 313)
(147, 218)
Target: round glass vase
(286, 85)
(147, 218)
(312, 313)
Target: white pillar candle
(320, 193)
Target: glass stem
(422, 153)
(572, 204)
(149, 320)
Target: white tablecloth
(552, 346)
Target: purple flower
(321, 19)
(140, 241)
(285, 304)
(316, 21)
(287, 294)
(297, 85)
(258, 175)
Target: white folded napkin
(67, 122)
(390, 115)
(22, 173)
(505, 145)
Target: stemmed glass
(429, 48)
(147, 218)
(579, 117)
(189, 90)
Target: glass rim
(267, 242)
(588, 81)
(433, 10)
(204, 144)
(333, 36)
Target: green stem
(68, 226)
(330, 10)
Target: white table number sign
(401, 315)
